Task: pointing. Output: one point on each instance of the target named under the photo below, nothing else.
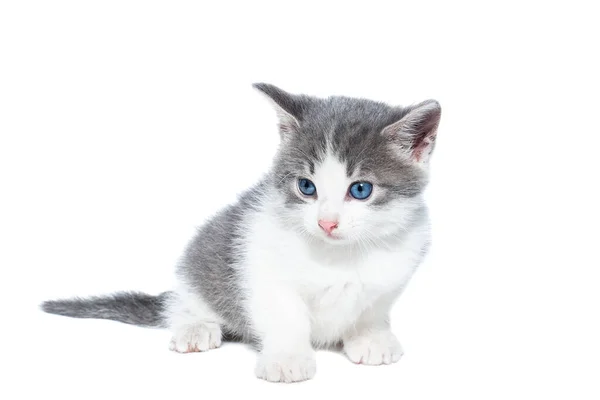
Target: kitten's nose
(328, 226)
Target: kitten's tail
(132, 308)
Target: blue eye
(306, 187)
(361, 190)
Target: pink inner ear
(423, 147)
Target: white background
(126, 124)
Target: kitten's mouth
(333, 238)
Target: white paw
(193, 338)
(373, 349)
(286, 368)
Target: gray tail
(132, 308)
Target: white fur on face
(358, 220)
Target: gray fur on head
(379, 139)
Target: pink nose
(328, 226)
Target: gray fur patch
(208, 263)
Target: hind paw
(199, 337)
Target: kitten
(315, 254)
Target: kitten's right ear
(414, 135)
(287, 106)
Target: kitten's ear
(287, 106)
(414, 134)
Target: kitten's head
(350, 170)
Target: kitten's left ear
(288, 106)
(414, 134)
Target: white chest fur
(336, 284)
(338, 294)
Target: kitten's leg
(194, 325)
(281, 322)
(370, 341)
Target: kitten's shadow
(337, 348)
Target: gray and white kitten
(315, 254)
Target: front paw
(286, 368)
(373, 348)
